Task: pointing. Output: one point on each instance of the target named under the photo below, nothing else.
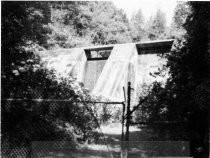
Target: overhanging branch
(137, 106)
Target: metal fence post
(123, 120)
(128, 112)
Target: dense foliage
(88, 23)
(76, 24)
(185, 98)
(157, 26)
(181, 13)
(25, 29)
(138, 26)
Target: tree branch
(137, 106)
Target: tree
(181, 12)
(110, 25)
(24, 79)
(137, 25)
(185, 97)
(23, 25)
(70, 25)
(190, 72)
(87, 23)
(157, 26)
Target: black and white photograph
(105, 79)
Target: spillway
(105, 70)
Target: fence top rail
(157, 122)
(60, 100)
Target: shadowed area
(142, 144)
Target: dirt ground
(113, 147)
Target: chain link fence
(33, 125)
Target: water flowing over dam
(105, 70)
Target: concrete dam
(105, 70)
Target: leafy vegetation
(88, 23)
(185, 98)
(24, 80)
(153, 29)
(157, 26)
(181, 13)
